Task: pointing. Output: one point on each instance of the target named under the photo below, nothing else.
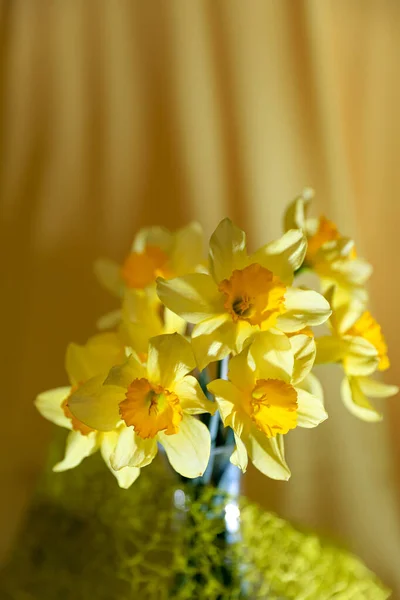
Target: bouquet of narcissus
(217, 351)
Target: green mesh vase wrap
(85, 538)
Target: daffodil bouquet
(218, 352)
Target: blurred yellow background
(119, 114)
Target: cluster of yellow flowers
(131, 387)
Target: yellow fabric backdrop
(116, 114)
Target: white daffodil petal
(170, 359)
(77, 448)
(188, 450)
(311, 411)
(376, 389)
(283, 256)
(194, 297)
(357, 403)
(304, 350)
(191, 397)
(49, 405)
(132, 451)
(227, 250)
(267, 455)
(125, 476)
(97, 405)
(303, 308)
(108, 274)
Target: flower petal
(108, 274)
(123, 375)
(132, 451)
(284, 255)
(125, 476)
(376, 389)
(191, 397)
(141, 318)
(333, 262)
(303, 308)
(188, 250)
(311, 411)
(98, 355)
(77, 448)
(49, 405)
(188, 450)
(97, 405)
(110, 320)
(242, 371)
(194, 297)
(361, 357)
(158, 237)
(230, 401)
(214, 339)
(356, 401)
(272, 356)
(267, 454)
(170, 359)
(304, 350)
(173, 323)
(295, 215)
(312, 385)
(239, 456)
(227, 250)
(330, 349)
(346, 312)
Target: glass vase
(207, 516)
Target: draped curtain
(116, 114)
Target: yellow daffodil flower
(142, 316)
(155, 252)
(357, 343)
(83, 363)
(270, 391)
(331, 255)
(156, 401)
(243, 294)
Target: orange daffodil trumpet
(87, 366)
(157, 402)
(358, 344)
(268, 394)
(142, 385)
(243, 293)
(155, 252)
